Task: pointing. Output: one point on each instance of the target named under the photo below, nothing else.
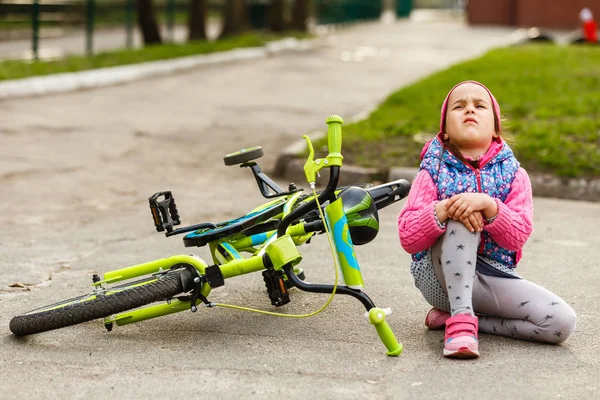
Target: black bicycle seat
(244, 155)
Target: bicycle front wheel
(98, 305)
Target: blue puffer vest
(452, 176)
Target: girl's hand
(441, 211)
(474, 222)
(462, 205)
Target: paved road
(75, 173)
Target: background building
(562, 14)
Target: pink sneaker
(436, 319)
(460, 340)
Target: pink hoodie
(418, 229)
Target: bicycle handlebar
(312, 167)
(377, 318)
(334, 144)
(334, 137)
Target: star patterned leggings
(454, 279)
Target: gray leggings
(452, 278)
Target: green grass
(549, 96)
(25, 69)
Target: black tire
(58, 316)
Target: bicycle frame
(274, 249)
(281, 251)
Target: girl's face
(470, 119)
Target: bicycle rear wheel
(98, 305)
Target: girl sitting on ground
(467, 217)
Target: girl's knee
(456, 229)
(456, 226)
(561, 325)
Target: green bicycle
(270, 234)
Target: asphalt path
(76, 171)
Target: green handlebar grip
(334, 135)
(377, 318)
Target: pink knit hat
(445, 105)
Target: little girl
(466, 219)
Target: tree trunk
(235, 18)
(197, 20)
(147, 22)
(276, 18)
(300, 15)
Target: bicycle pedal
(280, 302)
(164, 211)
(276, 287)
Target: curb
(290, 165)
(66, 82)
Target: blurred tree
(276, 16)
(235, 18)
(147, 22)
(300, 14)
(197, 19)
